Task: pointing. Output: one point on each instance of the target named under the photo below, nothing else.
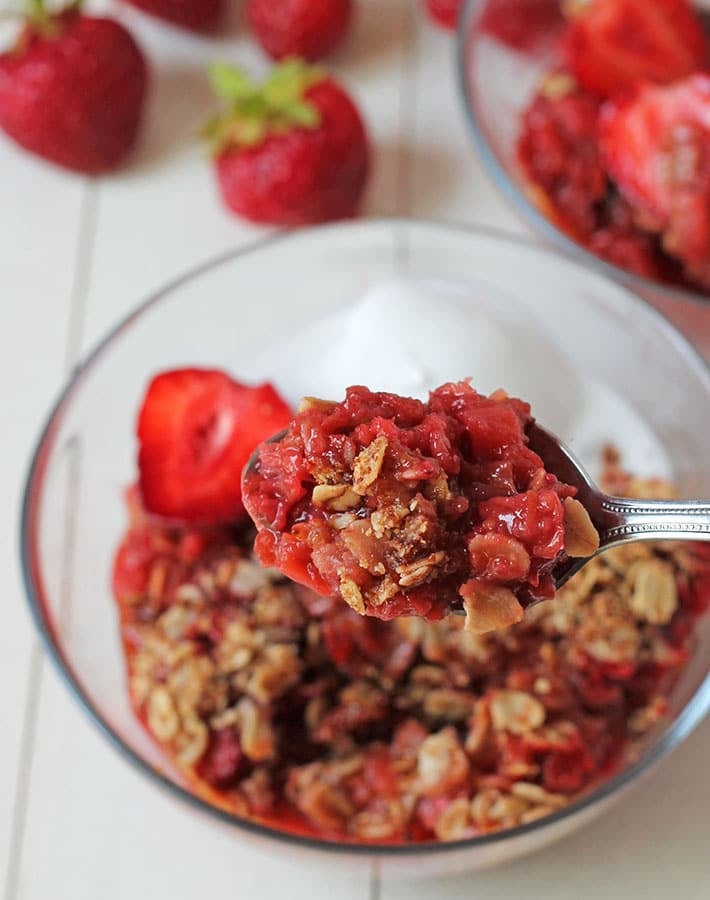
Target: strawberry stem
(252, 112)
(36, 14)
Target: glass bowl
(580, 327)
(497, 83)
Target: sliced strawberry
(611, 45)
(655, 145)
(196, 431)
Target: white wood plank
(93, 826)
(163, 215)
(653, 845)
(38, 250)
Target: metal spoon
(617, 519)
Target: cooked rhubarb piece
(401, 507)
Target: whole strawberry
(293, 151)
(309, 29)
(72, 89)
(197, 15)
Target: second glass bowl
(497, 83)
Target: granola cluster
(293, 710)
(401, 507)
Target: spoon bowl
(619, 520)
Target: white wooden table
(76, 823)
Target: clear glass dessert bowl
(596, 363)
(497, 81)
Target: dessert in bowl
(332, 728)
(594, 119)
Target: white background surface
(76, 823)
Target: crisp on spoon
(404, 507)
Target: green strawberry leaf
(306, 115)
(229, 83)
(253, 112)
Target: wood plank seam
(77, 316)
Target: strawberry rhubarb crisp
(292, 710)
(615, 145)
(401, 507)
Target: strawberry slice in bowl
(196, 430)
(611, 45)
(655, 145)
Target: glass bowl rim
(689, 717)
(516, 197)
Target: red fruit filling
(407, 508)
(655, 144)
(630, 179)
(291, 710)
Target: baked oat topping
(294, 710)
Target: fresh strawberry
(655, 144)
(291, 152)
(196, 431)
(444, 12)
(72, 89)
(611, 45)
(309, 29)
(197, 15)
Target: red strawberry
(611, 45)
(444, 12)
(72, 90)
(291, 152)
(309, 29)
(196, 431)
(197, 15)
(655, 144)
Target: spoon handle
(637, 520)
